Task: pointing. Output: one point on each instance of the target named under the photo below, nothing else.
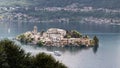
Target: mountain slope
(95, 3)
(14, 3)
(61, 3)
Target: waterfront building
(55, 34)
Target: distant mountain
(83, 11)
(94, 3)
(61, 3)
(14, 3)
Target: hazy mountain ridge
(14, 3)
(61, 3)
(82, 11)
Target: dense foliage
(73, 34)
(40, 43)
(12, 56)
(96, 40)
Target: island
(57, 37)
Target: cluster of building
(55, 37)
(54, 9)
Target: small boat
(57, 53)
(9, 30)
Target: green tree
(22, 38)
(47, 62)
(3, 58)
(96, 40)
(40, 43)
(75, 34)
(86, 36)
(12, 56)
(15, 55)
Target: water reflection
(95, 48)
(73, 49)
(70, 49)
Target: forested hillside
(82, 11)
(61, 3)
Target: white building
(56, 32)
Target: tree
(42, 32)
(96, 40)
(3, 58)
(47, 62)
(75, 34)
(22, 38)
(12, 56)
(40, 43)
(86, 36)
(15, 55)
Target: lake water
(107, 55)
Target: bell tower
(35, 30)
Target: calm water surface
(107, 55)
